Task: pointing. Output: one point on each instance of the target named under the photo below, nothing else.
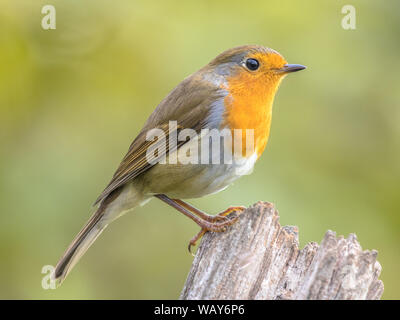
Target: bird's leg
(221, 215)
(211, 218)
(205, 221)
(218, 217)
(210, 226)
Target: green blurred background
(72, 100)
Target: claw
(190, 245)
(193, 241)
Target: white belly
(220, 177)
(196, 180)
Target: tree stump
(257, 258)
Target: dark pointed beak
(287, 68)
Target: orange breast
(249, 106)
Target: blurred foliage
(72, 99)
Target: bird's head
(255, 68)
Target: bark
(257, 258)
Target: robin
(235, 91)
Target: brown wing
(188, 104)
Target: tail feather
(116, 204)
(79, 245)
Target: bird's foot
(224, 215)
(217, 223)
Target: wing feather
(189, 104)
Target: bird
(235, 91)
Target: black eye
(252, 64)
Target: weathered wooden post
(257, 258)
